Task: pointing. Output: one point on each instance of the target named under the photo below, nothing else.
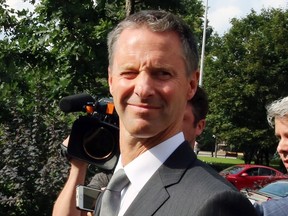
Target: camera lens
(99, 143)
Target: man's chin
(142, 134)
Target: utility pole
(203, 46)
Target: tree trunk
(130, 7)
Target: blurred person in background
(277, 116)
(194, 120)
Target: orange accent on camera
(110, 108)
(89, 109)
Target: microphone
(75, 103)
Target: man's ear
(193, 84)
(200, 127)
(110, 79)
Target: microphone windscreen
(75, 103)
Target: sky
(219, 13)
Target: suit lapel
(149, 198)
(154, 194)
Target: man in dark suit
(277, 116)
(153, 72)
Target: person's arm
(66, 202)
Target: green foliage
(246, 70)
(190, 10)
(31, 170)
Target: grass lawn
(231, 161)
(220, 163)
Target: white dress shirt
(140, 170)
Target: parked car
(274, 190)
(251, 176)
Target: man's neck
(131, 147)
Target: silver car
(274, 190)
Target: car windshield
(232, 170)
(278, 189)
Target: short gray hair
(159, 21)
(277, 109)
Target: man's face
(189, 129)
(149, 83)
(281, 131)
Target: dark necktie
(112, 195)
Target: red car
(251, 176)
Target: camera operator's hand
(74, 161)
(66, 141)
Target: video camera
(94, 137)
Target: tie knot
(118, 181)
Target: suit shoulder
(205, 175)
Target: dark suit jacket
(273, 207)
(184, 185)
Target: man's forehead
(281, 125)
(281, 119)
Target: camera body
(94, 137)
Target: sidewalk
(220, 154)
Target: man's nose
(282, 147)
(144, 85)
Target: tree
(246, 70)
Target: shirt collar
(140, 170)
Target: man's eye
(164, 75)
(129, 74)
